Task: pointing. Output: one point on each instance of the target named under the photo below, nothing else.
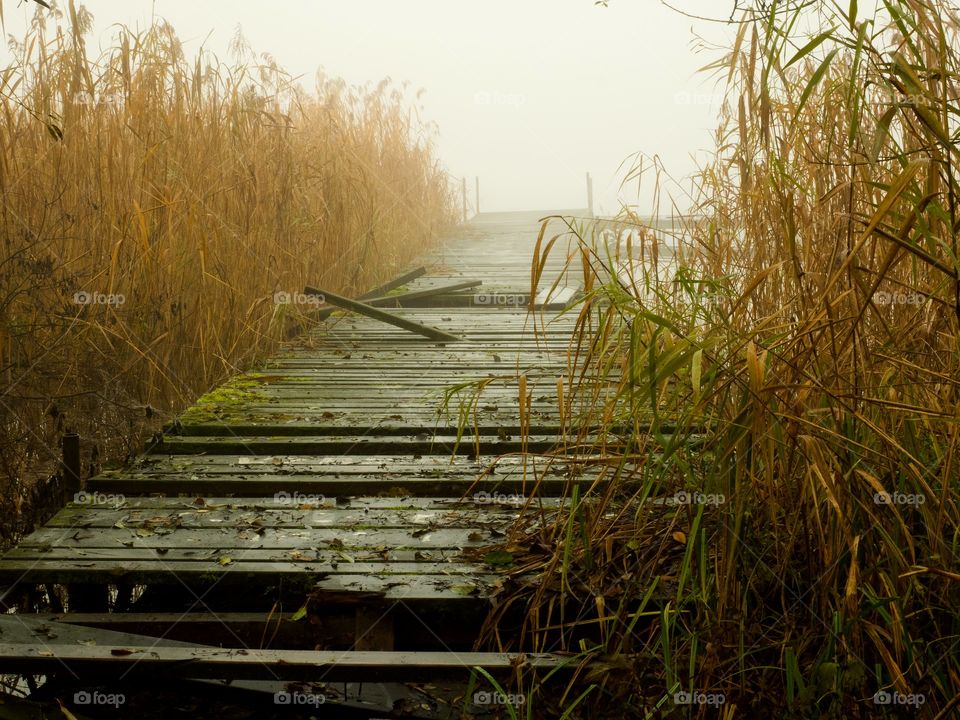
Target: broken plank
(397, 282)
(382, 315)
(401, 298)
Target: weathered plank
(282, 500)
(336, 626)
(299, 514)
(132, 661)
(385, 484)
(258, 537)
(467, 588)
(424, 443)
(285, 477)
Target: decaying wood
(381, 315)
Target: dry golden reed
(158, 210)
(778, 414)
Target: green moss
(232, 396)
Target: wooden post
(478, 194)
(589, 195)
(70, 469)
(464, 188)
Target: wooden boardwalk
(356, 474)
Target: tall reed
(160, 210)
(777, 415)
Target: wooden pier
(322, 518)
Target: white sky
(528, 94)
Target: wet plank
(468, 588)
(420, 444)
(140, 661)
(302, 512)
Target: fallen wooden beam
(381, 315)
(394, 284)
(457, 296)
(399, 300)
(380, 290)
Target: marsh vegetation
(775, 520)
(161, 215)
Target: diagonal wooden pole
(381, 315)
(377, 292)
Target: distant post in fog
(589, 195)
(464, 188)
(478, 194)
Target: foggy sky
(528, 94)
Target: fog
(527, 96)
